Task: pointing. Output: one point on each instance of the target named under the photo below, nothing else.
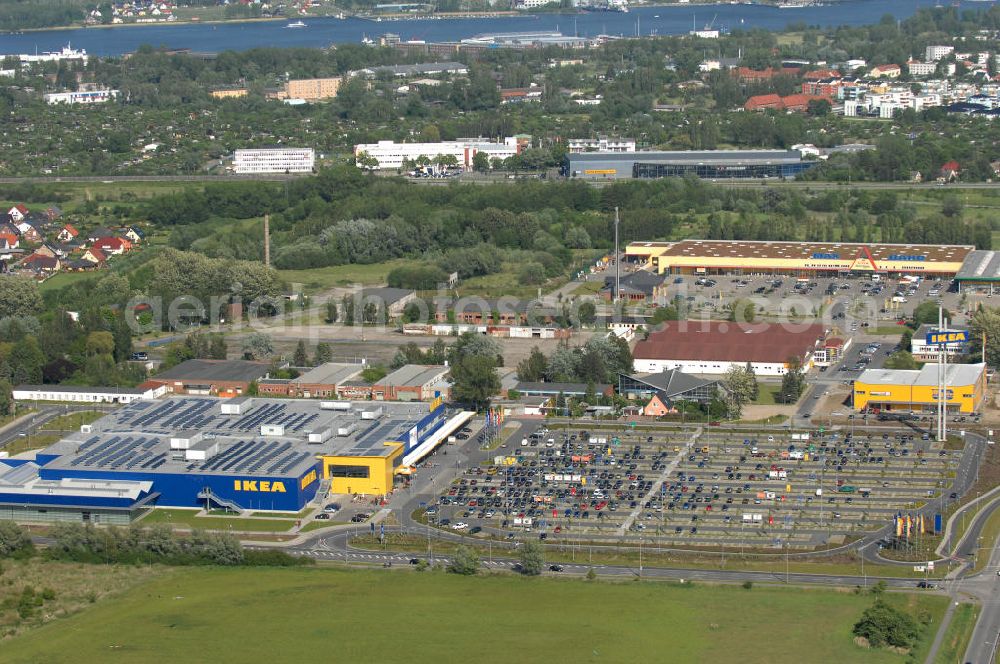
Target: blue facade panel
(282, 493)
(427, 425)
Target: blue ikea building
(243, 454)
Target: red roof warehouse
(712, 347)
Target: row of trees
(599, 360)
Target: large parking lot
(709, 489)
(857, 300)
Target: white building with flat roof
(935, 53)
(602, 144)
(80, 97)
(391, 155)
(275, 160)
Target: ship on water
(296, 24)
(619, 6)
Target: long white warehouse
(391, 155)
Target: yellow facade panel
(370, 475)
(961, 398)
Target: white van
(876, 277)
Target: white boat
(296, 24)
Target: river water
(665, 20)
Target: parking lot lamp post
(786, 562)
(640, 557)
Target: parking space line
(670, 468)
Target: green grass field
(322, 278)
(189, 519)
(766, 394)
(956, 638)
(288, 615)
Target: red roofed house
(18, 212)
(41, 264)
(821, 74)
(656, 407)
(113, 246)
(713, 347)
(748, 75)
(94, 255)
(798, 103)
(67, 233)
(826, 88)
(949, 170)
(12, 241)
(763, 102)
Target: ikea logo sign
(259, 486)
(308, 479)
(955, 337)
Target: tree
(818, 108)
(475, 380)
(257, 346)
(217, 347)
(532, 558)
(532, 369)
(753, 377)
(587, 312)
(481, 162)
(951, 206)
(13, 539)
(792, 383)
(901, 359)
(347, 309)
(331, 311)
(6, 398)
(366, 161)
(300, 358)
(100, 343)
(882, 624)
(663, 314)
(986, 321)
(373, 373)
(19, 297)
(464, 561)
(739, 387)
(927, 312)
(324, 353)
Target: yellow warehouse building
(917, 389)
(370, 474)
(706, 257)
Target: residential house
(29, 232)
(10, 240)
(763, 102)
(885, 71)
(95, 256)
(134, 234)
(67, 233)
(80, 265)
(949, 171)
(18, 213)
(41, 264)
(52, 213)
(113, 246)
(98, 233)
(520, 95)
(655, 407)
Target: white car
(461, 525)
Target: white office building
(602, 144)
(391, 155)
(275, 160)
(935, 53)
(81, 97)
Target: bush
(885, 625)
(532, 558)
(14, 540)
(591, 574)
(748, 585)
(417, 277)
(464, 561)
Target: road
(281, 177)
